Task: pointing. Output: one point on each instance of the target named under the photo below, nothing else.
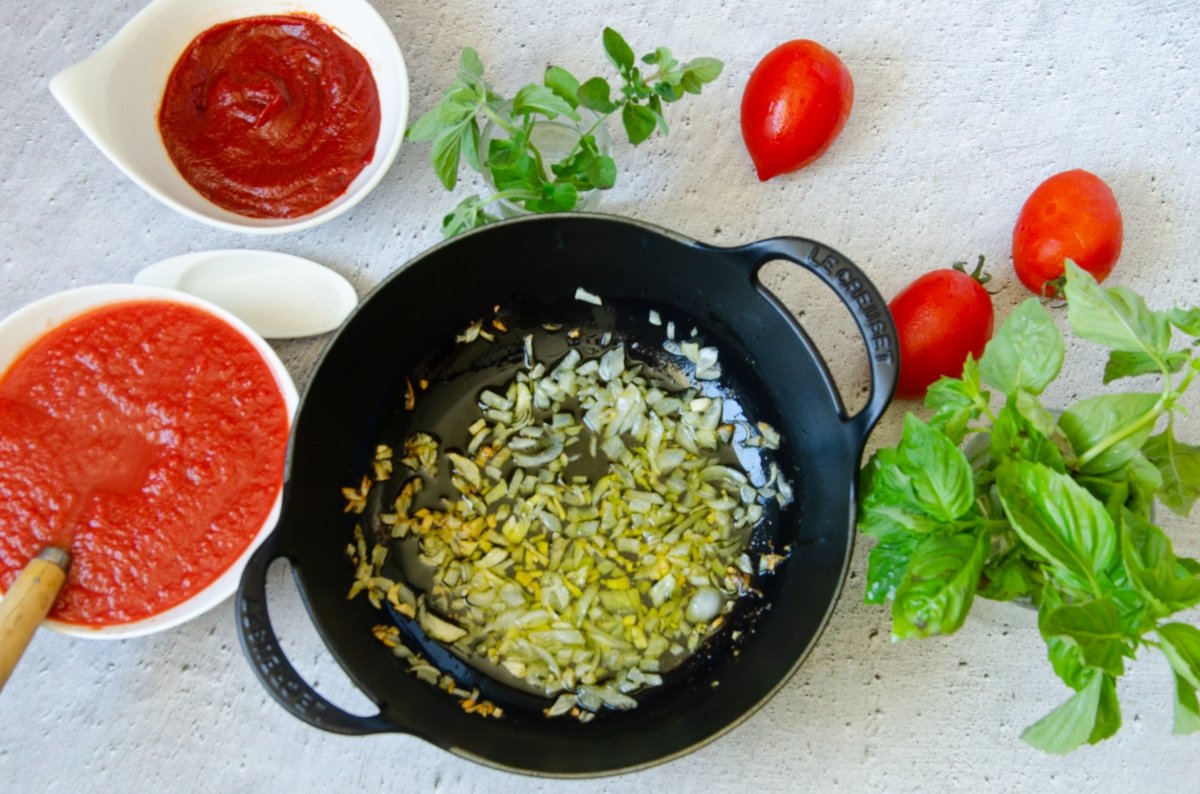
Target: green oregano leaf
(435, 121)
(619, 52)
(563, 84)
(602, 172)
(556, 197)
(535, 98)
(446, 150)
(594, 95)
(470, 62)
(469, 145)
(704, 70)
(639, 122)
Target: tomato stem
(977, 273)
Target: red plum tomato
(941, 318)
(1072, 215)
(796, 102)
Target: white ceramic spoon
(280, 296)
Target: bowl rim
(32, 321)
(128, 36)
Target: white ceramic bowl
(23, 327)
(114, 97)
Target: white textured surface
(961, 109)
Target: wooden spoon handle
(26, 604)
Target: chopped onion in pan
(598, 532)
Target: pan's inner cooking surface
(451, 390)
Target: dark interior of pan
(528, 272)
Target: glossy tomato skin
(796, 102)
(941, 318)
(1072, 215)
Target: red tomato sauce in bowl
(271, 116)
(149, 438)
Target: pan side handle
(866, 305)
(272, 667)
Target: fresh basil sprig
(1052, 508)
(518, 168)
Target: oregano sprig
(517, 167)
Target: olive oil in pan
(451, 404)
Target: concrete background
(961, 109)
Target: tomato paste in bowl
(145, 431)
(270, 116)
(117, 94)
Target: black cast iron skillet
(531, 268)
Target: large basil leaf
(1181, 645)
(1179, 465)
(1093, 421)
(1064, 655)
(1074, 722)
(1067, 662)
(1123, 364)
(942, 482)
(889, 504)
(1153, 570)
(1108, 711)
(1187, 707)
(1026, 353)
(882, 517)
(1094, 627)
(1060, 520)
(939, 586)
(1115, 317)
(886, 566)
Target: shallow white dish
(114, 97)
(23, 327)
(278, 295)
